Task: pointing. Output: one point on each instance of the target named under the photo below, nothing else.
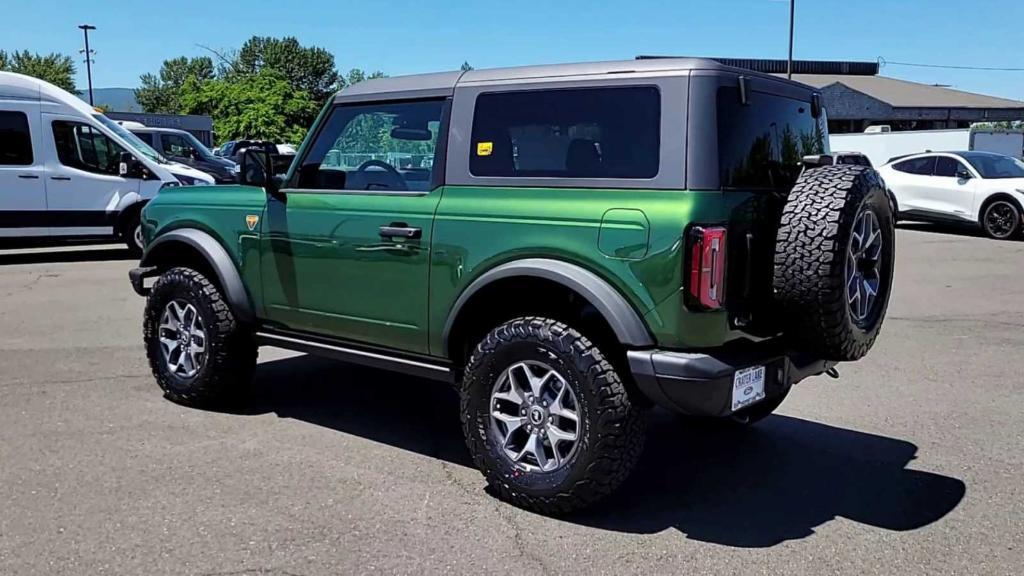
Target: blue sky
(406, 36)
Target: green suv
(567, 245)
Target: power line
(882, 62)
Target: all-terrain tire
(811, 260)
(610, 428)
(230, 357)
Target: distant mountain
(116, 99)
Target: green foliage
(57, 69)
(271, 88)
(261, 105)
(466, 67)
(163, 93)
(357, 75)
(306, 69)
(1004, 125)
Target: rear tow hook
(833, 373)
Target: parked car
(68, 170)
(588, 240)
(181, 146)
(975, 188)
(232, 150)
(851, 158)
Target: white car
(979, 188)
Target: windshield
(136, 143)
(198, 146)
(996, 165)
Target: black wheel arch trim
(624, 320)
(219, 260)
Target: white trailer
(879, 147)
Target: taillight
(707, 267)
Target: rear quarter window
(567, 133)
(761, 144)
(920, 166)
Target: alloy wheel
(863, 266)
(182, 339)
(535, 416)
(1001, 220)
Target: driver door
(345, 247)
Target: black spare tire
(834, 256)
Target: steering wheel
(388, 169)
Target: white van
(68, 170)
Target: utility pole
(789, 64)
(88, 58)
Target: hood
(177, 169)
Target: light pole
(789, 64)
(88, 58)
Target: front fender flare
(629, 328)
(218, 259)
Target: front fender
(216, 256)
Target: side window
(948, 167)
(146, 137)
(15, 139)
(567, 133)
(174, 145)
(83, 147)
(921, 166)
(383, 147)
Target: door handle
(28, 176)
(60, 177)
(400, 230)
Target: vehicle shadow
(61, 256)
(756, 487)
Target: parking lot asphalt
(911, 463)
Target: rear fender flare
(218, 259)
(623, 319)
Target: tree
(262, 105)
(162, 94)
(57, 69)
(306, 69)
(357, 75)
(466, 67)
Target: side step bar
(380, 360)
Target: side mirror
(129, 167)
(963, 174)
(253, 170)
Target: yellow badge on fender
(484, 148)
(251, 220)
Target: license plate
(747, 387)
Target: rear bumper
(701, 384)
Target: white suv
(968, 187)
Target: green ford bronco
(567, 245)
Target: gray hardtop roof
(443, 83)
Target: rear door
(83, 186)
(346, 248)
(22, 171)
(910, 183)
(947, 191)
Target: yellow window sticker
(484, 148)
